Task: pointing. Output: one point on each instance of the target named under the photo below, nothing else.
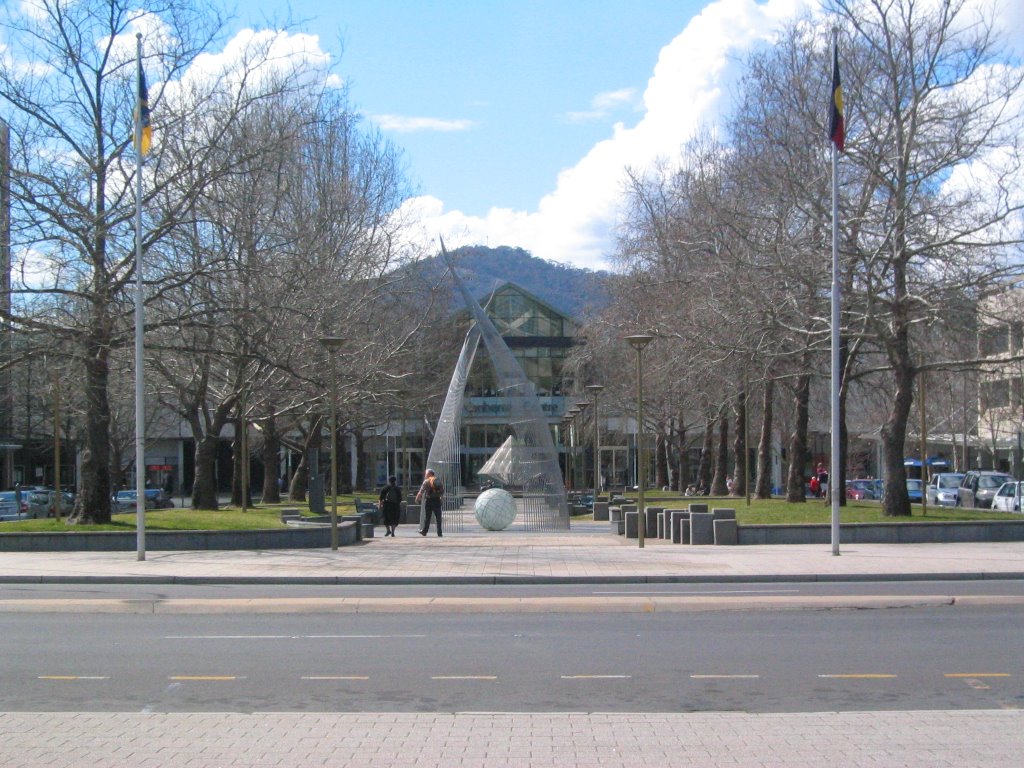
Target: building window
(994, 340)
(995, 394)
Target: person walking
(391, 505)
(431, 492)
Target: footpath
(980, 738)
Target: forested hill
(574, 291)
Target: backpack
(436, 488)
(393, 495)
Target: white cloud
(402, 124)
(575, 221)
(613, 99)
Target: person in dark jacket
(391, 505)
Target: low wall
(885, 533)
(305, 537)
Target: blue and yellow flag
(142, 127)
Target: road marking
(289, 637)
(702, 592)
(335, 677)
(72, 677)
(725, 677)
(977, 674)
(866, 676)
(218, 678)
(596, 677)
(464, 677)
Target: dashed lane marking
(977, 674)
(725, 677)
(596, 677)
(73, 677)
(215, 678)
(863, 676)
(464, 677)
(335, 677)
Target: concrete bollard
(661, 525)
(702, 529)
(651, 513)
(680, 526)
(632, 524)
(601, 510)
(615, 514)
(726, 532)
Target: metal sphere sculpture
(495, 509)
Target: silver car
(941, 490)
(979, 486)
(1007, 498)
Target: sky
(518, 118)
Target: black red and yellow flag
(837, 127)
(143, 130)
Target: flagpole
(140, 401)
(835, 478)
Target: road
(952, 657)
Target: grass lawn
(760, 512)
(224, 519)
(781, 512)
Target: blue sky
(517, 118)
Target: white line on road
(725, 677)
(701, 592)
(290, 637)
(596, 677)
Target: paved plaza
(930, 739)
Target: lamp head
(331, 342)
(639, 340)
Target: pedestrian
(430, 493)
(391, 505)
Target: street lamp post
(331, 344)
(581, 407)
(595, 390)
(571, 423)
(638, 341)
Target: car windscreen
(993, 481)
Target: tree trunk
(763, 486)
(719, 484)
(270, 456)
(739, 449)
(704, 469)
(237, 474)
(204, 487)
(300, 480)
(895, 501)
(798, 441)
(92, 505)
(682, 478)
(661, 448)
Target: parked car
(42, 503)
(979, 486)
(863, 488)
(1007, 498)
(915, 490)
(9, 508)
(126, 501)
(941, 490)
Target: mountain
(574, 291)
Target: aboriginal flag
(836, 128)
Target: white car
(1007, 498)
